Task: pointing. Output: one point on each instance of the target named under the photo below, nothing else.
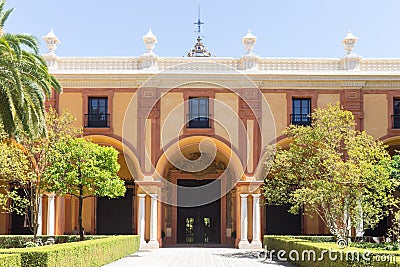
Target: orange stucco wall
(376, 114)
(324, 99)
(226, 121)
(73, 103)
(277, 115)
(121, 100)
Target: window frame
(193, 93)
(98, 92)
(307, 93)
(90, 123)
(395, 116)
(195, 114)
(302, 121)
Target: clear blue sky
(285, 28)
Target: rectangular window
(396, 114)
(97, 112)
(198, 116)
(301, 110)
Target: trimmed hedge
(339, 257)
(18, 241)
(10, 260)
(95, 252)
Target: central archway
(208, 224)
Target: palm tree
(25, 82)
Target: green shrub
(317, 238)
(30, 244)
(10, 260)
(95, 252)
(344, 257)
(395, 246)
(19, 241)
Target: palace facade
(191, 132)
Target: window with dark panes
(301, 110)
(396, 113)
(198, 116)
(97, 112)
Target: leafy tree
(84, 169)
(23, 164)
(394, 231)
(334, 171)
(24, 82)
(14, 175)
(39, 149)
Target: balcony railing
(396, 121)
(198, 121)
(300, 119)
(97, 121)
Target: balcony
(396, 121)
(300, 119)
(97, 121)
(198, 121)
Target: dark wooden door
(114, 216)
(201, 224)
(280, 222)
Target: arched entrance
(210, 223)
(279, 221)
(117, 215)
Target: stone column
(256, 243)
(153, 243)
(40, 214)
(243, 243)
(141, 219)
(50, 214)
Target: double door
(201, 224)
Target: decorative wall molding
(213, 64)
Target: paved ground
(180, 257)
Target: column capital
(141, 195)
(50, 195)
(256, 195)
(154, 196)
(244, 195)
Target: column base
(153, 244)
(256, 244)
(244, 244)
(143, 244)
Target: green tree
(334, 171)
(24, 82)
(84, 169)
(394, 231)
(60, 129)
(15, 175)
(23, 164)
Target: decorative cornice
(231, 81)
(103, 65)
(263, 85)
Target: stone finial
(51, 41)
(249, 40)
(149, 41)
(349, 43)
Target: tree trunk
(81, 237)
(35, 212)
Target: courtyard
(195, 257)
